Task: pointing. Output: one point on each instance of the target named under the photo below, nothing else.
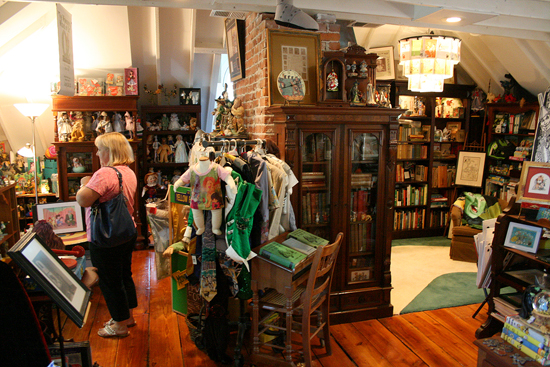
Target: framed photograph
(297, 51)
(523, 237)
(385, 68)
(359, 276)
(190, 96)
(131, 84)
(234, 34)
(469, 170)
(55, 278)
(64, 217)
(453, 126)
(534, 183)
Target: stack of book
(438, 201)
(313, 179)
(362, 179)
(295, 249)
(527, 338)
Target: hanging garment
(208, 265)
(288, 219)
(261, 181)
(279, 183)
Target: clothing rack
(231, 142)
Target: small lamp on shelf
(32, 111)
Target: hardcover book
(308, 238)
(282, 254)
(299, 246)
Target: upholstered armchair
(463, 246)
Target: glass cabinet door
(363, 206)
(316, 171)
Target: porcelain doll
(117, 122)
(206, 193)
(180, 150)
(164, 151)
(129, 124)
(174, 122)
(64, 127)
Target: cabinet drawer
(356, 300)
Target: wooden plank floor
(437, 338)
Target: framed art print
(523, 237)
(64, 217)
(385, 66)
(297, 51)
(131, 82)
(234, 33)
(534, 183)
(55, 278)
(190, 96)
(470, 167)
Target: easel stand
(60, 338)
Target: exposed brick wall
(253, 89)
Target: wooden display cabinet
(430, 161)
(360, 71)
(333, 62)
(8, 216)
(344, 159)
(86, 151)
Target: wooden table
(268, 274)
(489, 357)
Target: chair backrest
(320, 275)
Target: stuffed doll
(206, 193)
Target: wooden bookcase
(504, 122)
(433, 192)
(344, 159)
(8, 215)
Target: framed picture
(523, 237)
(190, 96)
(234, 33)
(534, 183)
(297, 51)
(131, 84)
(76, 354)
(64, 217)
(385, 68)
(359, 276)
(55, 278)
(469, 171)
(453, 126)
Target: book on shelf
(282, 254)
(508, 336)
(299, 246)
(504, 308)
(308, 238)
(525, 330)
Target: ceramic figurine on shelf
(163, 151)
(180, 150)
(77, 134)
(117, 122)
(174, 122)
(164, 122)
(156, 145)
(370, 95)
(78, 167)
(363, 69)
(237, 110)
(206, 193)
(104, 124)
(193, 124)
(332, 81)
(355, 93)
(151, 187)
(64, 127)
(129, 120)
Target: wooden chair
(312, 297)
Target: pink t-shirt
(105, 183)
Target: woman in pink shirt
(114, 264)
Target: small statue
(355, 93)
(180, 150)
(117, 122)
(163, 151)
(237, 110)
(129, 124)
(77, 134)
(370, 95)
(363, 68)
(64, 127)
(104, 124)
(78, 167)
(174, 122)
(151, 187)
(156, 146)
(332, 81)
(165, 122)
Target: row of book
(438, 218)
(405, 151)
(509, 123)
(315, 208)
(528, 339)
(361, 237)
(408, 171)
(296, 248)
(360, 204)
(314, 179)
(438, 201)
(408, 132)
(363, 179)
(409, 219)
(411, 195)
(443, 175)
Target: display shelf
(10, 233)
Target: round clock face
(291, 85)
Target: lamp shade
(428, 60)
(26, 151)
(31, 109)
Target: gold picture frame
(385, 69)
(290, 50)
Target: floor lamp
(32, 111)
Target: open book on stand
(308, 238)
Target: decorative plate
(291, 85)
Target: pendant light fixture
(428, 60)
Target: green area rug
(422, 241)
(447, 290)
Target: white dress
(181, 152)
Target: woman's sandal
(109, 332)
(111, 322)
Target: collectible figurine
(104, 124)
(78, 167)
(237, 110)
(180, 150)
(193, 124)
(129, 124)
(156, 146)
(64, 127)
(77, 134)
(332, 81)
(174, 122)
(117, 122)
(151, 187)
(165, 122)
(163, 151)
(206, 193)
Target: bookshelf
(510, 137)
(430, 134)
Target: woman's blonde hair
(120, 151)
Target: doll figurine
(164, 151)
(64, 127)
(174, 122)
(237, 110)
(151, 187)
(77, 134)
(181, 150)
(206, 193)
(164, 122)
(129, 124)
